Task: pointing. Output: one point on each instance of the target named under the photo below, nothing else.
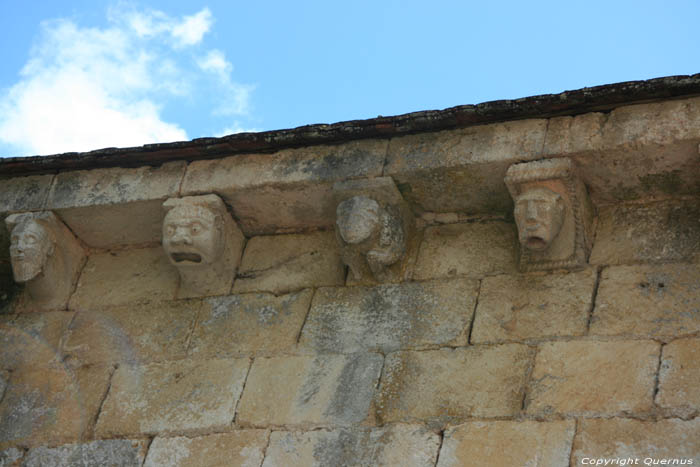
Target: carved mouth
(536, 243)
(189, 257)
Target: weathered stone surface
(473, 250)
(288, 190)
(593, 378)
(284, 263)
(643, 151)
(112, 452)
(32, 340)
(679, 375)
(463, 170)
(449, 385)
(513, 308)
(659, 232)
(4, 378)
(51, 405)
(572, 135)
(259, 324)
(625, 438)
(134, 333)
(173, 397)
(115, 206)
(390, 317)
(126, 276)
(508, 443)
(24, 194)
(309, 391)
(243, 448)
(404, 445)
(11, 457)
(660, 300)
(9, 290)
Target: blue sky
(85, 74)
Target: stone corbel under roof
(629, 141)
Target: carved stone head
(46, 258)
(193, 231)
(553, 213)
(31, 245)
(357, 218)
(203, 242)
(539, 214)
(371, 236)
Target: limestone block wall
(465, 362)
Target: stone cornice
(594, 99)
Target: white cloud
(189, 30)
(192, 28)
(215, 61)
(235, 128)
(87, 88)
(234, 98)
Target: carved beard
(26, 269)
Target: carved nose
(531, 213)
(181, 238)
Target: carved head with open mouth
(192, 233)
(539, 214)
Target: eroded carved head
(539, 214)
(31, 245)
(193, 232)
(358, 218)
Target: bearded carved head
(31, 245)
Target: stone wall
(464, 361)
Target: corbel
(553, 213)
(203, 242)
(46, 258)
(375, 229)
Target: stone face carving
(539, 214)
(553, 214)
(45, 257)
(203, 242)
(375, 230)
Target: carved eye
(169, 230)
(196, 228)
(30, 239)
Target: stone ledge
(634, 152)
(573, 102)
(108, 207)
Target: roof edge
(598, 98)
